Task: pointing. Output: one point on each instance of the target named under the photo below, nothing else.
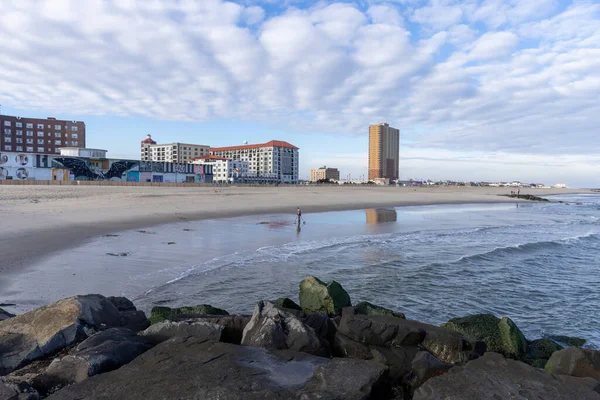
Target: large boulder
(317, 296)
(366, 308)
(190, 328)
(284, 302)
(130, 316)
(103, 352)
(386, 331)
(500, 335)
(323, 327)
(8, 392)
(46, 330)
(494, 377)
(276, 329)
(539, 351)
(424, 367)
(344, 347)
(233, 325)
(159, 314)
(575, 362)
(189, 368)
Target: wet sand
(40, 220)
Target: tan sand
(38, 220)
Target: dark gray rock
(8, 393)
(191, 369)
(233, 325)
(366, 308)
(426, 366)
(387, 331)
(191, 328)
(122, 303)
(575, 362)
(344, 347)
(323, 327)
(103, 352)
(5, 314)
(494, 377)
(159, 314)
(284, 302)
(397, 359)
(46, 330)
(273, 328)
(134, 320)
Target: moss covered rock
(284, 302)
(159, 314)
(317, 296)
(500, 335)
(569, 341)
(539, 351)
(366, 308)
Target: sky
(480, 89)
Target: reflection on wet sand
(380, 216)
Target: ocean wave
(528, 247)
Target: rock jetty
(96, 347)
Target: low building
(171, 152)
(319, 174)
(224, 170)
(82, 152)
(272, 162)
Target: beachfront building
(224, 170)
(38, 135)
(319, 174)
(272, 162)
(384, 152)
(171, 152)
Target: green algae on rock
(317, 296)
(159, 314)
(366, 308)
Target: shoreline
(53, 223)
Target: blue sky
(480, 89)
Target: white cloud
(473, 75)
(494, 45)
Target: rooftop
(272, 143)
(210, 157)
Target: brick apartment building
(41, 136)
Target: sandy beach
(39, 220)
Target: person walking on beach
(299, 214)
(519, 193)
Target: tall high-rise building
(384, 151)
(38, 135)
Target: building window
(40, 141)
(57, 127)
(57, 151)
(41, 150)
(57, 134)
(19, 124)
(8, 148)
(74, 129)
(29, 141)
(29, 133)
(30, 149)
(7, 140)
(74, 136)
(19, 148)
(29, 126)
(74, 143)
(19, 133)
(57, 142)
(19, 140)
(40, 126)
(7, 123)
(40, 134)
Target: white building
(82, 152)
(182, 153)
(275, 161)
(224, 170)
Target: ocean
(538, 263)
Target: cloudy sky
(480, 89)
